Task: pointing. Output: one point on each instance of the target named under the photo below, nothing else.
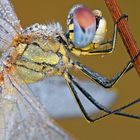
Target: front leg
(111, 42)
(103, 81)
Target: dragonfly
(39, 51)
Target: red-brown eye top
(83, 27)
(85, 17)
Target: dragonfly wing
(54, 97)
(9, 24)
(8, 14)
(23, 117)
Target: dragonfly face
(81, 31)
(85, 34)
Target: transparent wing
(9, 24)
(21, 115)
(61, 100)
(8, 14)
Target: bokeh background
(113, 127)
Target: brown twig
(124, 31)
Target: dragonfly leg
(111, 42)
(72, 83)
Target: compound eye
(84, 26)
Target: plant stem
(124, 31)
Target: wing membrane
(64, 100)
(9, 24)
(22, 116)
(8, 14)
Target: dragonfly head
(81, 24)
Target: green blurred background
(113, 127)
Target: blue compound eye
(84, 26)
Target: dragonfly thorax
(42, 57)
